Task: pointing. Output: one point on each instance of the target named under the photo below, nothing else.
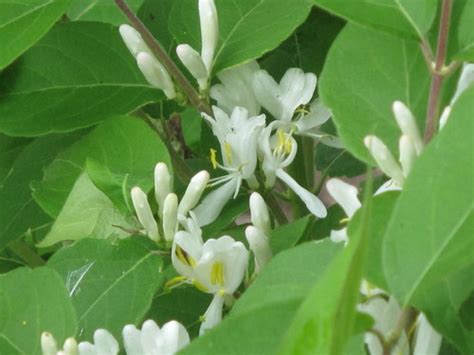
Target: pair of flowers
(150, 339)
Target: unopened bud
(407, 154)
(162, 185)
(133, 40)
(260, 247)
(384, 159)
(193, 193)
(259, 213)
(170, 216)
(48, 344)
(345, 195)
(70, 347)
(209, 31)
(144, 214)
(407, 123)
(156, 74)
(193, 62)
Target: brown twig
(165, 59)
(437, 74)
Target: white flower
(346, 196)
(168, 340)
(427, 340)
(279, 151)
(163, 185)
(104, 344)
(200, 66)
(295, 89)
(170, 216)
(151, 68)
(238, 138)
(260, 246)
(236, 89)
(193, 192)
(217, 266)
(50, 347)
(259, 215)
(144, 213)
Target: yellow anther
(213, 157)
(175, 281)
(281, 138)
(200, 286)
(284, 142)
(344, 220)
(228, 152)
(217, 274)
(185, 257)
(302, 109)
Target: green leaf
(247, 28)
(286, 236)
(99, 10)
(364, 74)
(31, 302)
(18, 211)
(87, 213)
(110, 285)
(10, 147)
(124, 154)
(156, 16)
(78, 75)
(260, 317)
(465, 35)
(429, 235)
(382, 208)
(24, 22)
(406, 18)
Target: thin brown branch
(180, 79)
(438, 75)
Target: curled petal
(213, 315)
(345, 195)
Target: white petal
(175, 337)
(86, 348)
(210, 208)
(209, 31)
(407, 154)
(48, 344)
(267, 92)
(339, 236)
(132, 340)
(150, 333)
(144, 214)
(170, 216)
(384, 159)
(163, 184)
(318, 115)
(193, 192)
(427, 340)
(259, 214)
(133, 40)
(213, 315)
(260, 247)
(407, 123)
(388, 185)
(192, 246)
(444, 117)
(465, 80)
(345, 195)
(297, 89)
(156, 74)
(105, 343)
(314, 204)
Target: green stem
(165, 59)
(274, 206)
(28, 255)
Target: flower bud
(193, 62)
(170, 216)
(156, 74)
(407, 123)
(144, 214)
(384, 159)
(48, 344)
(162, 185)
(259, 213)
(345, 195)
(193, 193)
(260, 247)
(209, 31)
(407, 154)
(133, 40)
(70, 347)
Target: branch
(438, 75)
(165, 59)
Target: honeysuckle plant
(255, 177)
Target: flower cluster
(151, 339)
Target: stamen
(217, 274)
(213, 157)
(175, 281)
